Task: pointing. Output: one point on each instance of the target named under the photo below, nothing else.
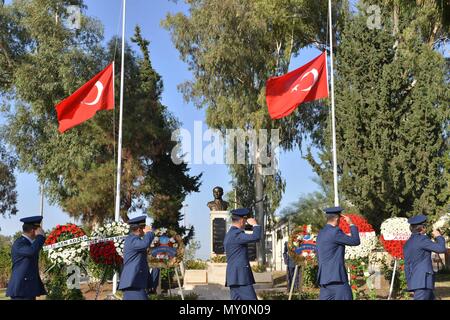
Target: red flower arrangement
(393, 247)
(359, 221)
(64, 232)
(68, 253)
(394, 234)
(108, 249)
(105, 253)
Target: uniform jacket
(239, 272)
(135, 273)
(418, 267)
(25, 281)
(331, 242)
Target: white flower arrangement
(367, 245)
(443, 223)
(113, 229)
(160, 232)
(395, 229)
(67, 253)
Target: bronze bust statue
(217, 204)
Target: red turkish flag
(307, 83)
(97, 94)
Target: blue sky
(165, 60)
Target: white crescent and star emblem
(100, 88)
(315, 73)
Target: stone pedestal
(217, 273)
(195, 277)
(264, 280)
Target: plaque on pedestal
(251, 247)
(251, 250)
(219, 223)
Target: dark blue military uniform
(418, 266)
(239, 275)
(290, 265)
(135, 274)
(25, 282)
(332, 275)
(153, 280)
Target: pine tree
(232, 47)
(78, 167)
(391, 113)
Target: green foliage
(232, 47)
(427, 20)
(195, 265)
(191, 250)
(358, 280)
(5, 263)
(167, 278)
(392, 112)
(304, 295)
(258, 268)
(219, 259)
(44, 63)
(5, 241)
(400, 290)
(189, 296)
(309, 208)
(56, 285)
(8, 193)
(310, 275)
(99, 273)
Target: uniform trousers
(134, 294)
(336, 291)
(424, 294)
(243, 292)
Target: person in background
(290, 266)
(153, 280)
(25, 282)
(417, 251)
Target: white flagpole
(41, 209)
(119, 148)
(333, 119)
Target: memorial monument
(218, 220)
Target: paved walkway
(211, 292)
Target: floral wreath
(302, 245)
(367, 237)
(109, 253)
(443, 224)
(65, 245)
(166, 249)
(394, 234)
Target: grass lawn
(443, 286)
(2, 294)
